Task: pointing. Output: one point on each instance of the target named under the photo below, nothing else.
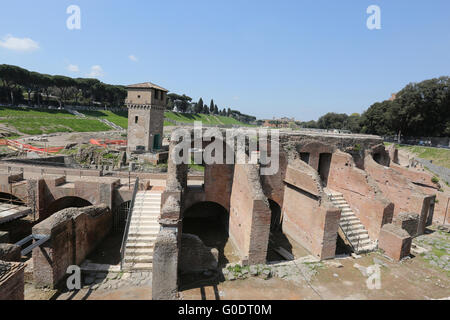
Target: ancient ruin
(334, 194)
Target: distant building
(146, 103)
(393, 97)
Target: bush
(435, 180)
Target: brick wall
(361, 193)
(74, 233)
(11, 281)
(249, 215)
(308, 217)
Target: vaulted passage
(210, 221)
(66, 202)
(9, 198)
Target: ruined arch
(210, 222)
(64, 203)
(12, 199)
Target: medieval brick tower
(146, 103)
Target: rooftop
(146, 85)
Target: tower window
(136, 119)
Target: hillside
(35, 122)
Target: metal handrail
(127, 226)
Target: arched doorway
(66, 202)
(210, 221)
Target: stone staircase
(351, 227)
(144, 229)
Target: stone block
(395, 242)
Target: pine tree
(216, 110)
(205, 109)
(211, 107)
(199, 106)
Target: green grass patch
(35, 126)
(23, 112)
(440, 157)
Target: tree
(180, 102)
(12, 77)
(62, 85)
(205, 109)
(216, 109)
(199, 106)
(211, 107)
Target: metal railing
(127, 226)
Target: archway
(11, 199)
(210, 222)
(66, 202)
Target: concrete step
(141, 239)
(138, 266)
(354, 238)
(137, 252)
(140, 259)
(140, 245)
(140, 224)
(142, 233)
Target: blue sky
(266, 58)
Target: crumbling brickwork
(395, 242)
(11, 281)
(74, 233)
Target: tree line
(419, 109)
(183, 103)
(46, 90)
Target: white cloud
(96, 72)
(19, 44)
(73, 68)
(133, 58)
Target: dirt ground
(410, 280)
(337, 279)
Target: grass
(35, 121)
(23, 112)
(36, 125)
(440, 157)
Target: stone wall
(74, 233)
(195, 256)
(395, 242)
(165, 266)
(250, 215)
(11, 281)
(406, 196)
(361, 193)
(308, 216)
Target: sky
(299, 58)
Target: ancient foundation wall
(250, 215)
(361, 193)
(11, 281)
(308, 217)
(74, 233)
(401, 191)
